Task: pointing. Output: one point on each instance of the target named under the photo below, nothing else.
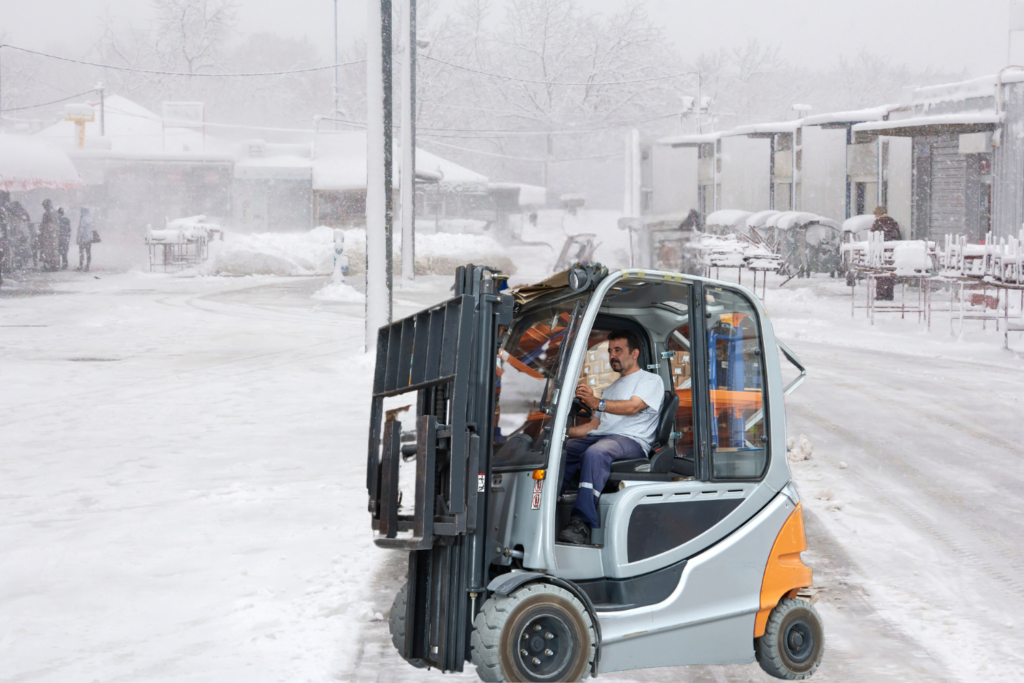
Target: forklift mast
(447, 356)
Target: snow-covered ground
(182, 485)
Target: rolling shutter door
(948, 188)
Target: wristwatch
(600, 406)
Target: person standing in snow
(890, 229)
(63, 237)
(48, 238)
(84, 239)
(887, 225)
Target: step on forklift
(697, 557)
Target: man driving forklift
(622, 428)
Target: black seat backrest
(666, 418)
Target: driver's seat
(660, 460)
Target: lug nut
(549, 635)
(536, 627)
(548, 653)
(536, 662)
(524, 653)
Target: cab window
(736, 383)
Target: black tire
(793, 641)
(554, 628)
(396, 623)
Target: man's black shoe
(576, 532)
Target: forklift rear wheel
(538, 633)
(396, 622)
(793, 641)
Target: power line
(535, 159)
(179, 73)
(430, 131)
(542, 82)
(46, 104)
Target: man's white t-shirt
(650, 389)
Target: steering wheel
(580, 409)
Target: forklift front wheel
(793, 641)
(396, 622)
(538, 633)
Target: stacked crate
(597, 372)
(679, 366)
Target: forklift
(697, 557)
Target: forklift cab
(696, 559)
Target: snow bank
(312, 253)
(339, 292)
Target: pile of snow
(312, 253)
(799, 450)
(339, 292)
(911, 258)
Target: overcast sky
(944, 34)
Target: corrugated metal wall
(1008, 167)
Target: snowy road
(181, 493)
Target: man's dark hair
(632, 340)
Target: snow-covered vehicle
(697, 557)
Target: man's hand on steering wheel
(586, 396)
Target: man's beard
(616, 365)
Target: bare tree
(191, 34)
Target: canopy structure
(27, 164)
(967, 122)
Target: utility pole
(334, 114)
(378, 169)
(1, 92)
(407, 190)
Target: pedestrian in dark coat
(48, 237)
(887, 225)
(890, 229)
(63, 237)
(84, 239)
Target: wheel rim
(799, 641)
(544, 646)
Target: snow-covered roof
(28, 164)
(130, 128)
(766, 128)
(759, 219)
(689, 140)
(851, 117)
(262, 161)
(975, 88)
(859, 223)
(967, 122)
(798, 219)
(529, 195)
(339, 164)
(728, 218)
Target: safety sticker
(537, 485)
(536, 502)
(481, 482)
